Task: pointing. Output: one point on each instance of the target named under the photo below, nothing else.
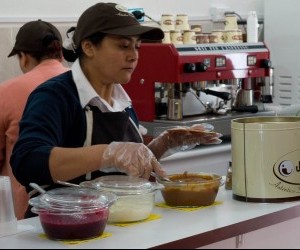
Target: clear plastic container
(8, 219)
(136, 196)
(191, 189)
(73, 213)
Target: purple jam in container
(74, 226)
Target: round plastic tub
(136, 196)
(73, 213)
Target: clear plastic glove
(180, 138)
(134, 159)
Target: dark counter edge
(233, 230)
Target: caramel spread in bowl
(185, 177)
(191, 189)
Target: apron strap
(89, 130)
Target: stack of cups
(182, 25)
(197, 28)
(219, 34)
(167, 24)
(176, 37)
(189, 37)
(231, 22)
(167, 37)
(8, 220)
(177, 30)
(232, 34)
(202, 38)
(182, 22)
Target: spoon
(65, 183)
(37, 188)
(166, 178)
(161, 178)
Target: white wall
(64, 9)
(282, 36)
(64, 14)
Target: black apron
(104, 128)
(112, 126)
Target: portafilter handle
(223, 95)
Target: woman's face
(114, 59)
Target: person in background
(81, 125)
(38, 48)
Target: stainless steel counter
(204, 158)
(221, 123)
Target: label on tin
(287, 173)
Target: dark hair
(52, 49)
(71, 55)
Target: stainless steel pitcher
(244, 97)
(174, 109)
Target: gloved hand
(134, 159)
(179, 138)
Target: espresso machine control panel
(172, 82)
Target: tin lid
(121, 184)
(72, 199)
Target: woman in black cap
(82, 121)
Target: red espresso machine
(203, 83)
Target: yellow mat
(187, 209)
(74, 242)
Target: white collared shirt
(88, 95)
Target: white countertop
(174, 228)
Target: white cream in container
(136, 196)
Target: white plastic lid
(121, 184)
(72, 199)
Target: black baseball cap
(31, 35)
(114, 19)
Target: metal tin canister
(266, 158)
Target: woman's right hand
(134, 159)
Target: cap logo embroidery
(123, 9)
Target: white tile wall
(8, 66)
